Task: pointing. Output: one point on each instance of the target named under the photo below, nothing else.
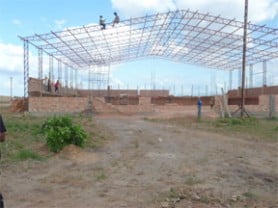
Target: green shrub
(60, 132)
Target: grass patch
(25, 137)
(100, 176)
(262, 129)
(25, 154)
(192, 180)
(204, 199)
(173, 193)
(249, 195)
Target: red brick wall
(57, 104)
(253, 92)
(180, 100)
(118, 92)
(104, 93)
(154, 93)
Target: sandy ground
(152, 165)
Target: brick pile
(19, 105)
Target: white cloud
(11, 57)
(11, 65)
(59, 24)
(17, 22)
(133, 8)
(259, 10)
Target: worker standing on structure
(102, 22)
(57, 86)
(116, 19)
(199, 104)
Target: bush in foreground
(60, 132)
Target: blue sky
(27, 17)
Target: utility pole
(242, 107)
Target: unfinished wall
(253, 92)
(118, 92)
(123, 100)
(57, 104)
(104, 93)
(181, 100)
(154, 93)
(263, 105)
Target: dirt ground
(149, 165)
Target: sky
(27, 17)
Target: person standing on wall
(2, 139)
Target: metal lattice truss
(182, 36)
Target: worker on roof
(102, 22)
(116, 19)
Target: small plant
(100, 176)
(204, 199)
(60, 132)
(192, 180)
(249, 195)
(173, 193)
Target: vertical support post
(271, 106)
(90, 100)
(244, 59)
(51, 74)
(264, 74)
(75, 78)
(59, 70)
(40, 63)
(230, 79)
(239, 77)
(71, 77)
(66, 76)
(251, 76)
(60, 76)
(11, 88)
(108, 75)
(26, 67)
(89, 78)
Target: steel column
(51, 74)
(40, 63)
(250, 75)
(230, 79)
(26, 67)
(66, 76)
(244, 59)
(264, 74)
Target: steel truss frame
(183, 36)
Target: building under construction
(183, 36)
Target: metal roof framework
(183, 36)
